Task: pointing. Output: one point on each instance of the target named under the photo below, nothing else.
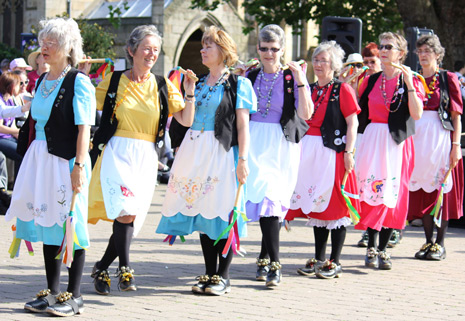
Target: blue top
(208, 98)
(84, 105)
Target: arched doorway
(190, 55)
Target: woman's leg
(384, 237)
(210, 254)
(321, 239)
(52, 268)
(270, 227)
(110, 254)
(75, 273)
(338, 237)
(372, 238)
(225, 262)
(428, 227)
(123, 236)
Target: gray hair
(68, 36)
(399, 40)
(336, 54)
(136, 37)
(433, 42)
(272, 33)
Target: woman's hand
(242, 171)
(189, 84)
(240, 70)
(85, 67)
(455, 155)
(26, 107)
(408, 76)
(298, 72)
(77, 178)
(349, 162)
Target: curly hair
(225, 43)
(67, 34)
(336, 54)
(433, 42)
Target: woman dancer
(390, 100)
(327, 154)
(275, 131)
(125, 173)
(211, 161)
(434, 151)
(56, 164)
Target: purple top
(7, 121)
(277, 98)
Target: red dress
(421, 202)
(337, 207)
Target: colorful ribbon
(16, 244)
(171, 238)
(102, 69)
(354, 216)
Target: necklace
(125, 93)
(202, 100)
(432, 84)
(261, 76)
(399, 91)
(43, 87)
(320, 95)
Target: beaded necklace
(125, 93)
(205, 98)
(432, 84)
(261, 76)
(320, 95)
(398, 91)
(43, 88)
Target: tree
(377, 16)
(445, 17)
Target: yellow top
(138, 106)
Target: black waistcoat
(60, 131)
(444, 102)
(401, 125)
(294, 127)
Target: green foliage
(9, 52)
(115, 14)
(377, 16)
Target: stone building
(180, 26)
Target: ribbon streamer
(437, 208)
(171, 238)
(16, 245)
(354, 216)
(102, 70)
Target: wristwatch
(79, 164)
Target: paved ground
(412, 290)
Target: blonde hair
(68, 36)
(225, 43)
(400, 41)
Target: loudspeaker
(412, 34)
(347, 32)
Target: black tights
(384, 237)
(211, 253)
(270, 227)
(53, 266)
(428, 226)
(338, 237)
(118, 245)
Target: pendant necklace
(43, 87)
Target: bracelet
(243, 158)
(456, 143)
(81, 165)
(300, 86)
(349, 152)
(189, 100)
(190, 96)
(411, 90)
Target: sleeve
(456, 103)
(84, 101)
(419, 88)
(348, 101)
(245, 97)
(175, 100)
(101, 91)
(10, 111)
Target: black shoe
(66, 305)
(421, 255)
(102, 281)
(203, 282)
(329, 270)
(395, 239)
(5, 197)
(310, 267)
(218, 286)
(126, 279)
(436, 252)
(262, 269)
(371, 259)
(274, 276)
(384, 260)
(43, 301)
(364, 240)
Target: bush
(9, 52)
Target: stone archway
(190, 54)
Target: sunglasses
(265, 49)
(387, 47)
(22, 83)
(357, 65)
